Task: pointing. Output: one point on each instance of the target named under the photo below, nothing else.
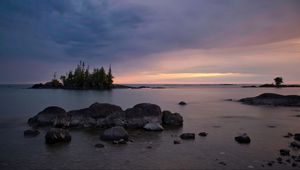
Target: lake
(207, 110)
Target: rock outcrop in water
(272, 100)
(106, 115)
(56, 135)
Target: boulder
(48, 116)
(31, 132)
(114, 119)
(172, 119)
(187, 136)
(295, 145)
(203, 134)
(273, 100)
(153, 127)
(115, 134)
(284, 152)
(141, 114)
(99, 145)
(297, 136)
(176, 142)
(243, 139)
(182, 103)
(56, 135)
(102, 110)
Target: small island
(278, 84)
(82, 79)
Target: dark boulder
(141, 114)
(56, 135)
(297, 136)
(273, 100)
(31, 132)
(176, 142)
(182, 103)
(295, 145)
(172, 119)
(243, 139)
(187, 136)
(99, 145)
(48, 116)
(102, 110)
(115, 134)
(203, 134)
(284, 152)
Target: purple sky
(169, 41)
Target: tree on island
(81, 78)
(278, 81)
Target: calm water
(206, 111)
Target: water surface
(206, 111)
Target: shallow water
(206, 111)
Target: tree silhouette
(278, 81)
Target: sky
(152, 41)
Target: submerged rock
(187, 136)
(115, 134)
(172, 119)
(273, 100)
(31, 132)
(288, 135)
(56, 135)
(153, 127)
(243, 139)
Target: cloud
(123, 31)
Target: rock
(284, 152)
(115, 134)
(177, 142)
(114, 119)
(279, 159)
(172, 119)
(182, 103)
(187, 136)
(297, 136)
(153, 127)
(288, 135)
(141, 114)
(273, 100)
(203, 134)
(31, 132)
(294, 164)
(48, 116)
(243, 139)
(295, 145)
(56, 135)
(99, 145)
(102, 110)
(222, 163)
(121, 141)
